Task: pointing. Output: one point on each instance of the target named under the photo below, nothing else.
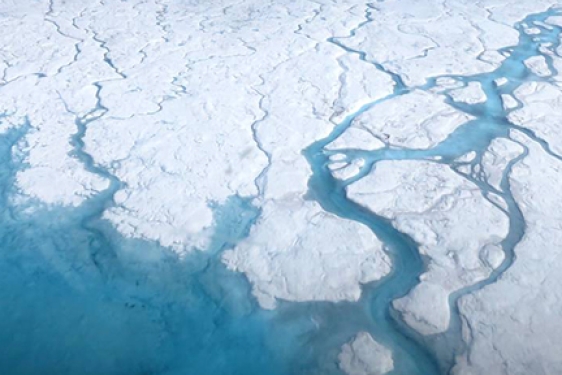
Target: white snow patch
(538, 65)
(496, 159)
(416, 120)
(450, 220)
(364, 356)
(298, 252)
(540, 111)
(471, 94)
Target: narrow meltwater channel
(413, 353)
(78, 298)
(409, 356)
(495, 116)
(74, 288)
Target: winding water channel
(490, 122)
(74, 288)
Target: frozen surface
(241, 187)
(501, 81)
(360, 84)
(495, 313)
(360, 138)
(365, 356)
(450, 219)
(496, 159)
(348, 170)
(538, 65)
(327, 264)
(426, 43)
(540, 112)
(509, 102)
(415, 120)
(471, 94)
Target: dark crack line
(261, 181)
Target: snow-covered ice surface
(436, 207)
(280, 187)
(414, 120)
(327, 264)
(511, 326)
(365, 356)
(471, 94)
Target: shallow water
(77, 298)
(433, 355)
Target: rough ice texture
(509, 102)
(471, 94)
(328, 263)
(427, 43)
(169, 187)
(513, 325)
(364, 356)
(466, 158)
(46, 86)
(208, 82)
(361, 84)
(538, 65)
(357, 138)
(496, 159)
(501, 81)
(192, 104)
(415, 120)
(347, 170)
(187, 106)
(185, 126)
(541, 112)
(451, 220)
(447, 83)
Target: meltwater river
(77, 298)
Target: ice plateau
(280, 187)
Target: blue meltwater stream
(78, 298)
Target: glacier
(259, 187)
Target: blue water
(78, 298)
(415, 354)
